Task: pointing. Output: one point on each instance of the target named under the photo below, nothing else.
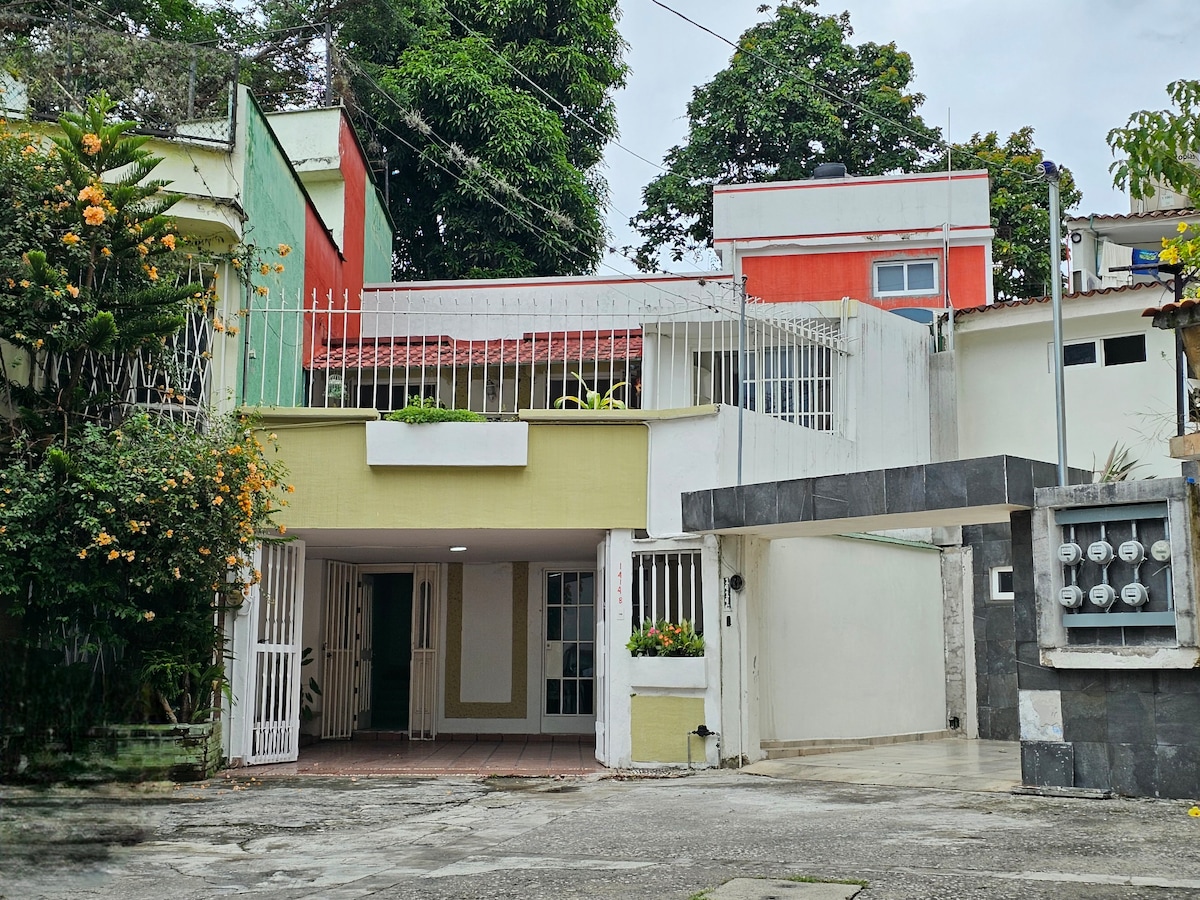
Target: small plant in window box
(663, 638)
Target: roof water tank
(830, 170)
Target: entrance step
(789, 749)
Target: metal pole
(742, 373)
(328, 62)
(1181, 364)
(1060, 401)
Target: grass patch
(813, 879)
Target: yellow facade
(578, 476)
(660, 726)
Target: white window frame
(996, 593)
(906, 262)
(1098, 346)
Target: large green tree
(796, 93)
(1020, 208)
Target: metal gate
(271, 697)
(342, 622)
(422, 723)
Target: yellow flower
(237, 263)
(168, 241)
(175, 572)
(1169, 255)
(283, 529)
(284, 249)
(82, 553)
(1181, 227)
(264, 269)
(104, 539)
(92, 194)
(70, 238)
(231, 560)
(204, 551)
(218, 500)
(278, 268)
(91, 144)
(148, 615)
(104, 251)
(170, 532)
(261, 290)
(113, 554)
(93, 215)
(1194, 812)
(291, 489)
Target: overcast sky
(1072, 69)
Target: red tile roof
(1008, 304)
(1171, 307)
(1133, 217)
(438, 350)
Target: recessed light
(457, 549)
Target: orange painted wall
(808, 277)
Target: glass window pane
(570, 624)
(570, 591)
(920, 276)
(570, 706)
(1079, 354)
(586, 704)
(554, 623)
(587, 588)
(1120, 351)
(889, 279)
(553, 696)
(554, 589)
(571, 661)
(587, 664)
(587, 623)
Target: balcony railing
(497, 358)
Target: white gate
(422, 722)
(364, 615)
(602, 626)
(270, 705)
(341, 626)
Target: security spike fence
(180, 91)
(505, 355)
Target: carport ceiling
(373, 546)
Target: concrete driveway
(535, 839)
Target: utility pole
(1049, 171)
(328, 60)
(743, 373)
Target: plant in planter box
(428, 410)
(663, 638)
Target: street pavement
(602, 837)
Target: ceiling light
(457, 549)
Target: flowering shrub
(664, 638)
(1183, 249)
(112, 551)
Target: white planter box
(667, 672)
(448, 444)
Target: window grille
(792, 383)
(667, 586)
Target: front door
(392, 652)
(569, 685)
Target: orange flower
(82, 553)
(92, 194)
(168, 241)
(92, 144)
(261, 291)
(72, 290)
(70, 238)
(93, 215)
(113, 554)
(148, 615)
(104, 251)
(218, 500)
(284, 249)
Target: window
(1120, 351)
(667, 586)
(1002, 583)
(792, 383)
(900, 278)
(1082, 354)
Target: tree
(493, 118)
(1020, 208)
(1161, 147)
(796, 94)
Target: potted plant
(667, 655)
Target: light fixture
(457, 549)
(1076, 237)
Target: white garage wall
(487, 631)
(851, 639)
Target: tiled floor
(560, 756)
(955, 765)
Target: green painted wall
(578, 476)
(275, 214)
(377, 240)
(659, 727)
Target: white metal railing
(667, 586)
(498, 356)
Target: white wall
(1006, 384)
(851, 637)
(487, 632)
(837, 206)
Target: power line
(569, 112)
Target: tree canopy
(1020, 208)
(796, 94)
(1161, 146)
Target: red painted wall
(832, 276)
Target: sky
(1072, 69)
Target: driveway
(614, 837)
